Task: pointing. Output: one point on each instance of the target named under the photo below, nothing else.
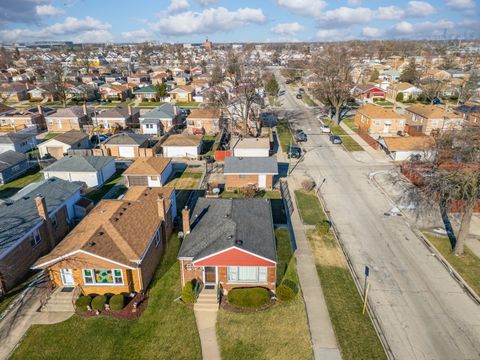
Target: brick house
(241, 172)
(116, 248)
(426, 119)
(19, 119)
(368, 91)
(229, 243)
(122, 117)
(204, 121)
(378, 120)
(161, 119)
(149, 171)
(71, 118)
(183, 93)
(31, 225)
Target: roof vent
(101, 233)
(230, 236)
(226, 216)
(91, 243)
(26, 197)
(239, 242)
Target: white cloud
(303, 7)
(137, 35)
(330, 35)
(345, 16)
(208, 21)
(388, 13)
(372, 32)
(354, 2)
(178, 5)
(206, 3)
(403, 27)
(287, 28)
(71, 28)
(48, 10)
(426, 29)
(460, 4)
(420, 9)
(94, 36)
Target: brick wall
(241, 181)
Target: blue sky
(229, 20)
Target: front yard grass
(166, 330)
(350, 122)
(9, 189)
(307, 100)
(468, 265)
(347, 141)
(185, 180)
(284, 135)
(280, 332)
(187, 103)
(309, 207)
(151, 104)
(354, 331)
(98, 194)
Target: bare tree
(468, 88)
(55, 79)
(452, 177)
(334, 77)
(431, 88)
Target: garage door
(126, 151)
(137, 181)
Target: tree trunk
(464, 227)
(337, 115)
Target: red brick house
(368, 91)
(229, 243)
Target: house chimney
(130, 110)
(85, 110)
(41, 205)
(161, 207)
(186, 221)
(40, 109)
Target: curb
(453, 273)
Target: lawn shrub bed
(249, 297)
(83, 302)
(117, 302)
(98, 302)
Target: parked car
(301, 91)
(299, 96)
(294, 152)
(300, 136)
(325, 129)
(288, 81)
(97, 139)
(281, 92)
(335, 139)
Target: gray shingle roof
(251, 165)
(73, 111)
(21, 215)
(13, 138)
(217, 224)
(127, 139)
(165, 111)
(10, 158)
(70, 137)
(80, 163)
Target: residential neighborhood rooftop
(148, 166)
(73, 163)
(251, 165)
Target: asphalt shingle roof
(19, 216)
(127, 139)
(13, 138)
(218, 224)
(80, 163)
(251, 165)
(10, 158)
(165, 111)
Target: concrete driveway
(422, 310)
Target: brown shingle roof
(118, 230)
(426, 111)
(409, 143)
(377, 112)
(207, 113)
(182, 140)
(71, 137)
(148, 166)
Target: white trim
(102, 284)
(230, 248)
(83, 252)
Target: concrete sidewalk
(24, 314)
(321, 330)
(377, 155)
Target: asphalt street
(423, 311)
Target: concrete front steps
(207, 301)
(59, 301)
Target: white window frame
(35, 236)
(94, 283)
(233, 273)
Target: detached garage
(182, 146)
(93, 171)
(60, 144)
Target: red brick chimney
(41, 205)
(161, 207)
(186, 221)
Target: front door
(386, 127)
(262, 181)
(210, 275)
(67, 277)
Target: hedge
(287, 290)
(98, 302)
(83, 302)
(188, 293)
(117, 302)
(249, 297)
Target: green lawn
(307, 100)
(184, 180)
(273, 101)
(151, 104)
(350, 122)
(468, 265)
(354, 331)
(187, 103)
(384, 103)
(11, 188)
(284, 135)
(280, 332)
(98, 194)
(309, 207)
(347, 141)
(166, 330)
(50, 135)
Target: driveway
(422, 310)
